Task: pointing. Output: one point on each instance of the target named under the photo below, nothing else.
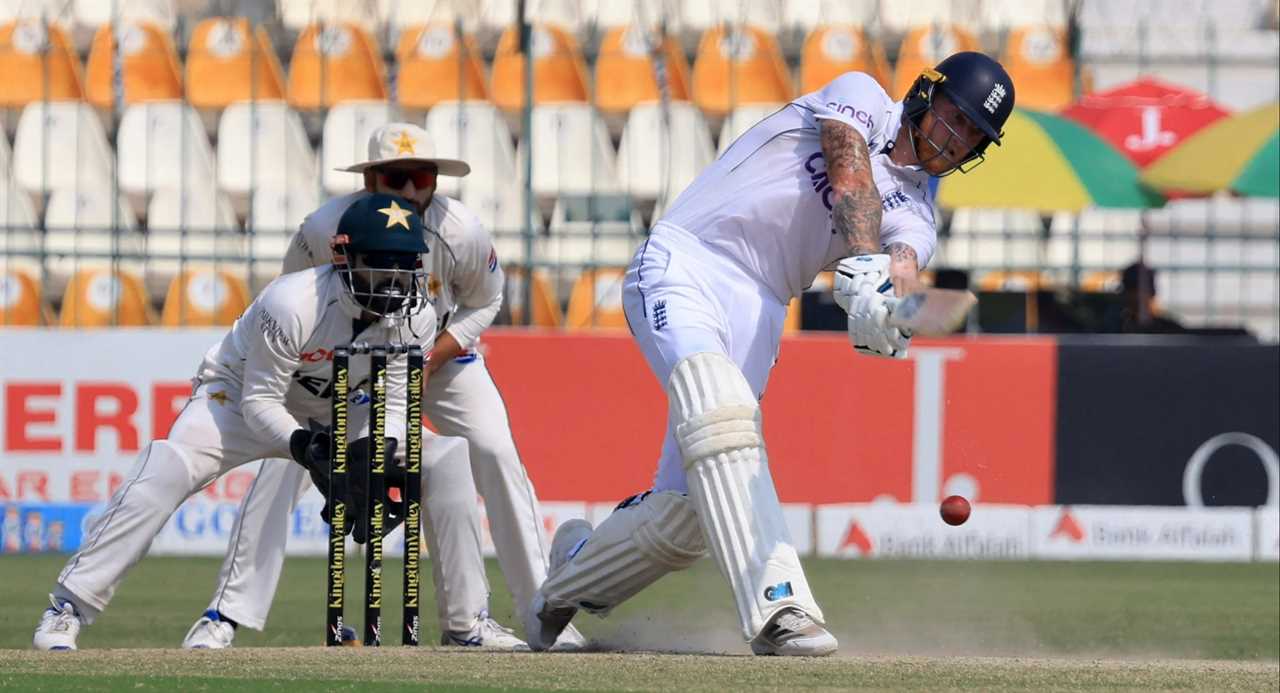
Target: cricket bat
(932, 312)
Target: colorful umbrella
(1146, 118)
(1048, 163)
(1241, 154)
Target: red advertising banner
(969, 416)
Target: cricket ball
(954, 510)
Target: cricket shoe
(210, 632)
(791, 632)
(59, 626)
(488, 634)
(545, 625)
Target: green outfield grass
(902, 624)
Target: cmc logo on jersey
(858, 115)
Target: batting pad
(629, 551)
(718, 427)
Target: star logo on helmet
(397, 215)
(405, 144)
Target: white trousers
(462, 400)
(680, 299)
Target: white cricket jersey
(465, 281)
(766, 202)
(277, 360)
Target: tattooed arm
(855, 208)
(904, 268)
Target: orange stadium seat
(924, 47)
(149, 62)
(546, 309)
(100, 297)
(21, 302)
(831, 51)
(1037, 60)
(596, 299)
(792, 324)
(625, 70)
(436, 66)
(37, 64)
(223, 67)
(333, 63)
(1014, 281)
(743, 65)
(558, 71)
(204, 298)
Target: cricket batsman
(464, 287)
(843, 176)
(264, 392)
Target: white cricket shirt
(766, 202)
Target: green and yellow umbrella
(1048, 163)
(1240, 154)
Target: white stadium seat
(697, 17)
(91, 14)
(162, 144)
(197, 208)
(1108, 239)
(609, 14)
(1005, 14)
(806, 15)
(573, 154)
(298, 14)
(475, 132)
(82, 230)
(658, 157)
(403, 14)
(603, 230)
(501, 210)
(19, 232)
(994, 239)
(899, 17)
(69, 135)
(5, 155)
(262, 144)
(346, 141)
(742, 119)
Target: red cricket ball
(954, 510)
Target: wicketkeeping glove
(311, 450)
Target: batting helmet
(976, 84)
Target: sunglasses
(396, 178)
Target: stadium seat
(999, 15)
(56, 12)
(409, 14)
(204, 298)
(1240, 14)
(558, 71)
(660, 154)
(736, 67)
(608, 15)
(806, 15)
(149, 65)
(1039, 63)
(924, 47)
(102, 297)
(601, 230)
(698, 17)
(573, 156)
(1095, 239)
(300, 15)
(226, 64)
(596, 300)
(791, 324)
(899, 17)
(625, 71)
(334, 63)
(38, 64)
(833, 50)
(1216, 215)
(436, 65)
(742, 119)
(501, 210)
(195, 226)
(474, 132)
(988, 239)
(91, 15)
(261, 144)
(69, 135)
(545, 311)
(346, 141)
(16, 212)
(162, 144)
(280, 209)
(21, 300)
(1013, 281)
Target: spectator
(1137, 312)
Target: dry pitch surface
(282, 669)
